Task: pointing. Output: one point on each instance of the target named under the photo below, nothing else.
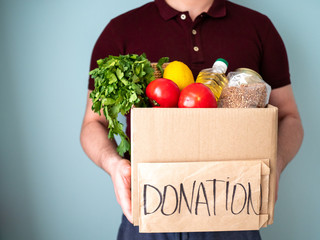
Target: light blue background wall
(49, 189)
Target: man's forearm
(95, 143)
(290, 135)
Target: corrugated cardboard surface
(162, 135)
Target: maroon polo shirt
(244, 37)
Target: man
(195, 32)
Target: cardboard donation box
(196, 169)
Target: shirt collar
(218, 9)
(165, 10)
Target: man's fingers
(122, 186)
(126, 174)
(124, 194)
(126, 201)
(126, 205)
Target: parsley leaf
(120, 83)
(161, 62)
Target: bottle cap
(221, 63)
(222, 60)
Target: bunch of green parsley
(120, 83)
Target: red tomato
(163, 92)
(197, 95)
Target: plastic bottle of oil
(215, 77)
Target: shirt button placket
(195, 48)
(196, 41)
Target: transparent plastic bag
(245, 90)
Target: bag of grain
(246, 89)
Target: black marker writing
(164, 200)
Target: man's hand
(121, 178)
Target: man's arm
(102, 151)
(290, 130)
